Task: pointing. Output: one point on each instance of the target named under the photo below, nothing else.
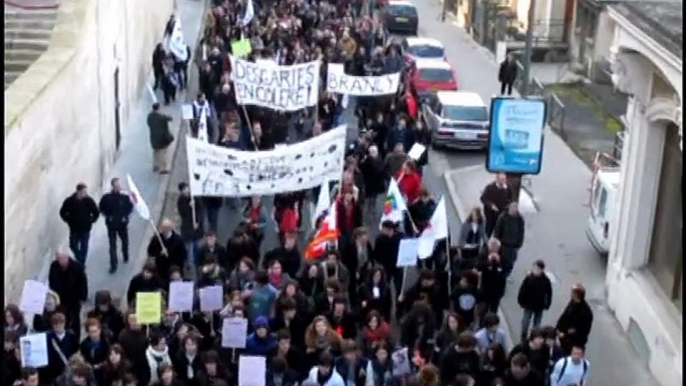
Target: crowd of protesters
(345, 319)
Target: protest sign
(285, 88)
(33, 297)
(218, 171)
(241, 48)
(234, 332)
(401, 363)
(407, 253)
(339, 82)
(34, 350)
(181, 296)
(416, 151)
(148, 307)
(252, 371)
(186, 111)
(211, 298)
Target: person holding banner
(68, 280)
(168, 249)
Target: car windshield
(435, 75)
(404, 10)
(426, 51)
(465, 113)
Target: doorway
(117, 112)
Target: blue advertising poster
(515, 143)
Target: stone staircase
(27, 36)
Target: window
(665, 260)
(465, 113)
(435, 75)
(602, 203)
(426, 51)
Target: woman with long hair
(115, 367)
(96, 347)
(320, 337)
(472, 235)
(243, 276)
(449, 333)
(375, 294)
(290, 289)
(41, 322)
(14, 320)
(311, 283)
(375, 331)
(493, 364)
(380, 366)
(166, 376)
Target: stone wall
(60, 120)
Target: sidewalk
(135, 158)
(555, 224)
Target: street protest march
(218, 171)
(286, 88)
(341, 83)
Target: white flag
(436, 230)
(249, 13)
(137, 199)
(177, 42)
(323, 203)
(203, 112)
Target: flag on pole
(249, 13)
(394, 204)
(323, 204)
(437, 229)
(327, 233)
(177, 42)
(137, 199)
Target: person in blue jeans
(535, 296)
(80, 212)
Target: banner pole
(252, 134)
(450, 266)
(159, 237)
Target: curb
(461, 214)
(161, 199)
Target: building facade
(645, 264)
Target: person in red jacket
(409, 181)
(411, 103)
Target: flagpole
(159, 237)
(252, 135)
(450, 266)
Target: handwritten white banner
(218, 171)
(339, 82)
(285, 88)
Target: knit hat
(261, 322)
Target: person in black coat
(294, 356)
(11, 362)
(95, 348)
(493, 281)
(386, 248)
(428, 290)
(358, 259)
(373, 171)
(62, 343)
(375, 294)
(574, 324)
(495, 198)
(133, 339)
(80, 212)
(168, 249)
(535, 296)
(422, 209)
(279, 373)
(291, 320)
(191, 213)
(288, 255)
(187, 357)
(509, 230)
(116, 207)
(106, 312)
(68, 280)
(521, 373)
(211, 247)
(417, 328)
(158, 64)
(342, 320)
(241, 245)
(507, 74)
(461, 359)
(146, 281)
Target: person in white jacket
(324, 373)
(571, 370)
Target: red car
(430, 76)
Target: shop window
(666, 251)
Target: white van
(604, 194)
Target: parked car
(430, 76)
(604, 188)
(457, 119)
(416, 48)
(400, 16)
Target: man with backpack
(571, 370)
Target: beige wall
(59, 120)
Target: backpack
(564, 367)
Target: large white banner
(286, 88)
(338, 82)
(177, 42)
(218, 171)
